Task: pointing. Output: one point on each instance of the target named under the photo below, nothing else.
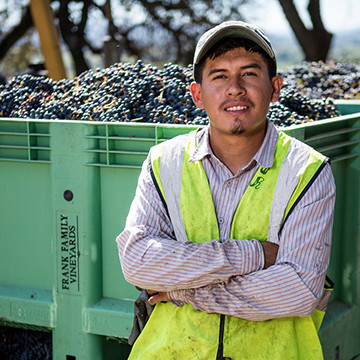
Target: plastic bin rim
(347, 101)
(90, 123)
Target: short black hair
(231, 43)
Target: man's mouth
(236, 108)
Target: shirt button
(228, 184)
(221, 220)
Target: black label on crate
(68, 253)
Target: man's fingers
(158, 297)
(152, 300)
(270, 253)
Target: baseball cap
(226, 29)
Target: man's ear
(277, 84)
(195, 89)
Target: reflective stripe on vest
(185, 333)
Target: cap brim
(232, 31)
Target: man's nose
(235, 87)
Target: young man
(230, 228)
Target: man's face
(235, 92)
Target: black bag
(142, 312)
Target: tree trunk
(73, 36)
(314, 42)
(16, 33)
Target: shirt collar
(203, 147)
(264, 156)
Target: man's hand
(270, 253)
(157, 297)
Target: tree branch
(72, 37)
(315, 16)
(315, 42)
(16, 33)
(293, 17)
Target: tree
(15, 33)
(156, 31)
(314, 42)
(180, 22)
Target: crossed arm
(233, 277)
(270, 253)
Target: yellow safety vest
(187, 334)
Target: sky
(338, 16)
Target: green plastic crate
(66, 188)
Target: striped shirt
(228, 277)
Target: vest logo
(264, 170)
(256, 184)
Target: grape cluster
(319, 79)
(20, 344)
(137, 93)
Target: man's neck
(236, 151)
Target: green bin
(65, 190)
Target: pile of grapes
(145, 93)
(19, 344)
(121, 92)
(294, 108)
(319, 79)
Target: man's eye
(249, 73)
(219, 77)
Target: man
(230, 228)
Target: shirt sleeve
(151, 257)
(293, 285)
